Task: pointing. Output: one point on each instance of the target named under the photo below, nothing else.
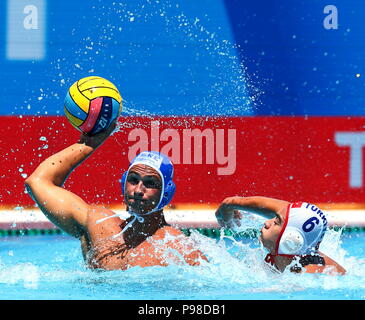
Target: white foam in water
(331, 246)
(236, 269)
(23, 273)
(248, 222)
(245, 270)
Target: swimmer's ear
(291, 242)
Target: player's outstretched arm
(263, 206)
(62, 207)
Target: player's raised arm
(64, 208)
(263, 206)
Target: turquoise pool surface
(52, 268)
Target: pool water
(52, 268)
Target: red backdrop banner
(314, 159)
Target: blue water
(52, 268)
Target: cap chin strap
(136, 216)
(288, 240)
(270, 257)
(291, 243)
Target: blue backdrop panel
(174, 57)
(166, 57)
(302, 65)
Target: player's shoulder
(102, 223)
(168, 231)
(330, 267)
(172, 230)
(95, 214)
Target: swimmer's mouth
(261, 231)
(139, 204)
(260, 235)
(136, 200)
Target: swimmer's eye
(133, 180)
(148, 182)
(277, 220)
(151, 183)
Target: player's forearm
(265, 203)
(57, 167)
(260, 205)
(256, 202)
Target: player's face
(143, 189)
(271, 230)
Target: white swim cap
(303, 230)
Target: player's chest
(145, 255)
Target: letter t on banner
(355, 141)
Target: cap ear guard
(124, 178)
(292, 242)
(168, 193)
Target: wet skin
(142, 244)
(142, 189)
(272, 229)
(275, 210)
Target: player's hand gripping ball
(92, 104)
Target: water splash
(229, 83)
(235, 271)
(25, 274)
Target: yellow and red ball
(92, 104)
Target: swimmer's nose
(140, 189)
(267, 224)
